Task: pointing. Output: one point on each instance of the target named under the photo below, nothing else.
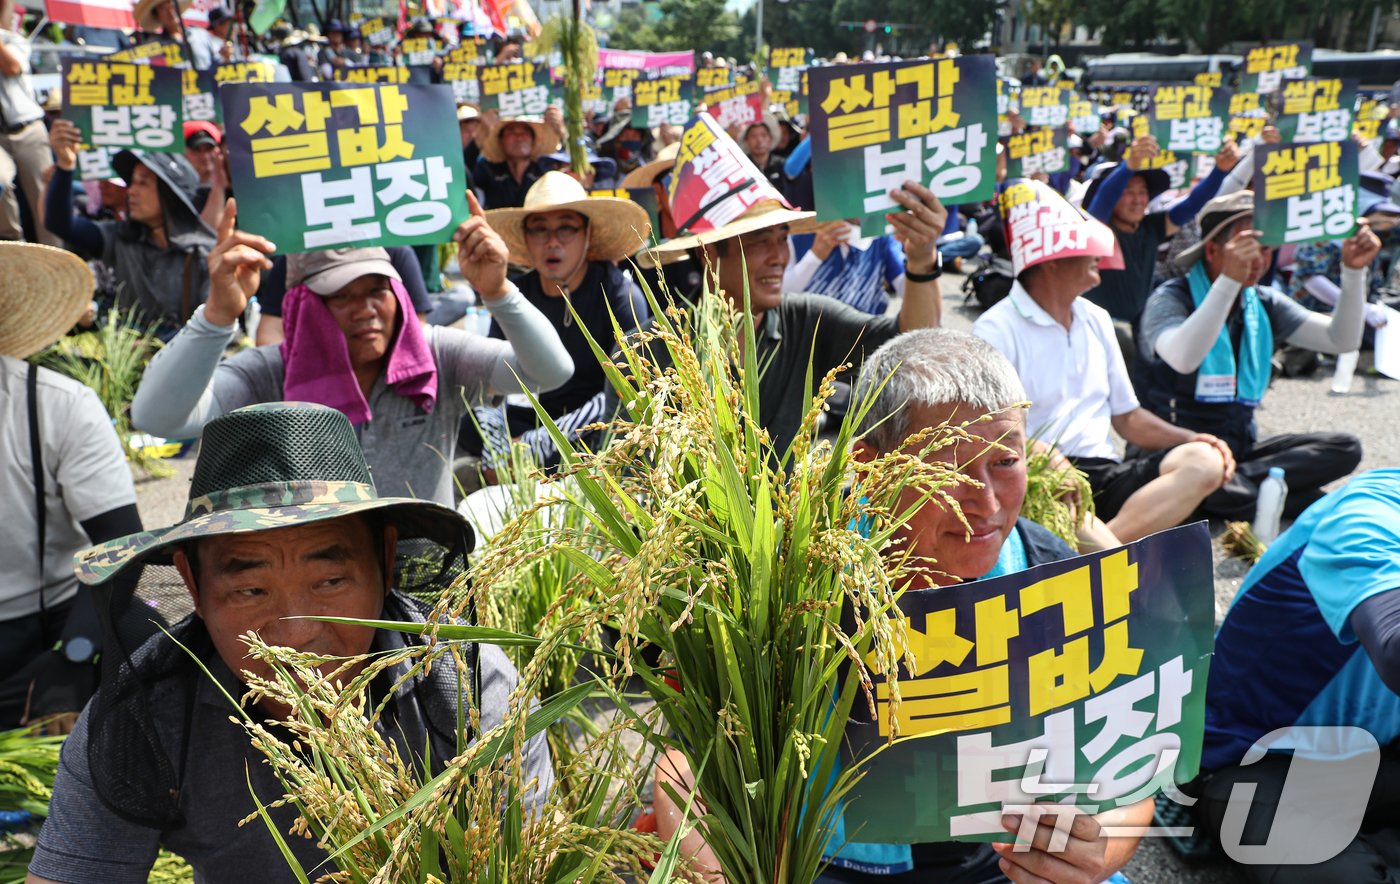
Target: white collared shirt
(1075, 379)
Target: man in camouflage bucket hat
(283, 521)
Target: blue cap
(1275, 472)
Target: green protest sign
(1044, 105)
(459, 69)
(418, 50)
(709, 80)
(657, 101)
(1266, 67)
(1083, 117)
(395, 75)
(787, 69)
(1314, 109)
(326, 165)
(161, 53)
(1081, 682)
(1248, 116)
(618, 84)
(1040, 150)
(1305, 192)
(377, 31)
(197, 91)
(124, 105)
(875, 126)
(1189, 118)
(1371, 114)
(515, 88)
(201, 87)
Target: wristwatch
(933, 274)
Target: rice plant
(1059, 498)
(748, 570)
(750, 589)
(110, 360)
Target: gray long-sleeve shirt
(409, 451)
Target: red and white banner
(198, 12)
(93, 13)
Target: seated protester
(930, 376)
(1188, 234)
(1325, 594)
(572, 244)
(204, 150)
(1317, 271)
(159, 253)
(862, 271)
(273, 288)
(352, 343)
(675, 276)
(275, 528)
(470, 128)
(797, 173)
(602, 172)
(759, 139)
(67, 484)
(510, 157)
(746, 257)
(1118, 195)
(626, 145)
(1206, 345)
(1064, 349)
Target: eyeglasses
(565, 233)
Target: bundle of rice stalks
(1240, 541)
(111, 360)
(1059, 498)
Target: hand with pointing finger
(235, 268)
(481, 254)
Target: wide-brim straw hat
(546, 139)
(145, 13)
(43, 291)
(616, 227)
(1215, 218)
(760, 216)
(646, 174)
(269, 466)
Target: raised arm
(1185, 346)
(176, 397)
(537, 357)
(59, 218)
(917, 229)
(1342, 331)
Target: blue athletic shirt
(1286, 653)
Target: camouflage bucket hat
(275, 465)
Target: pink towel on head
(316, 360)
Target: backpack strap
(37, 458)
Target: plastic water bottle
(1272, 493)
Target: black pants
(1373, 857)
(1310, 460)
(23, 642)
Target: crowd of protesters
(1144, 375)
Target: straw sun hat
(616, 227)
(43, 291)
(546, 139)
(145, 12)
